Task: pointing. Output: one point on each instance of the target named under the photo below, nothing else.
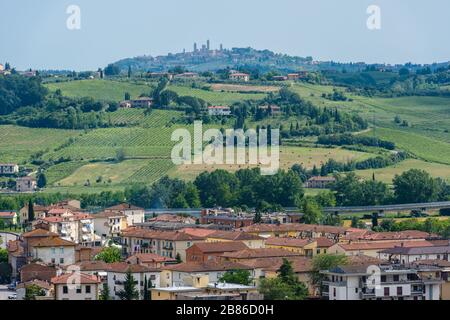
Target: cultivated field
(308, 157)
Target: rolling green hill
(144, 139)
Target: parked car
(12, 296)
(11, 287)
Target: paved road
(4, 292)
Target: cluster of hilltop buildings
(185, 257)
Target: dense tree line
(412, 186)
(349, 139)
(24, 101)
(17, 91)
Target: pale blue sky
(34, 34)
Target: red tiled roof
(7, 214)
(123, 267)
(161, 235)
(288, 242)
(206, 266)
(383, 245)
(323, 242)
(379, 236)
(259, 253)
(54, 242)
(149, 257)
(67, 278)
(234, 235)
(226, 246)
(39, 233)
(198, 232)
(299, 227)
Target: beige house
(54, 251)
(240, 77)
(134, 214)
(8, 217)
(372, 249)
(117, 274)
(26, 184)
(109, 224)
(168, 244)
(8, 168)
(76, 286)
(250, 240)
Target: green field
(17, 144)
(146, 139)
(115, 91)
(99, 89)
(387, 174)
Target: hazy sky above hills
(34, 33)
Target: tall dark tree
(129, 291)
(146, 294)
(41, 180)
(30, 211)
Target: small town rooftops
(227, 246)
(54, 242)
(108, 214)
(417, 250)
(383, 245)
(161, 235)
(81, 277)
(288, 242)
(39, 233)
(259, 253)
(123, 267)
(233, 235)
(206, 266)
(123, 206)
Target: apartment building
(86, 288)
(109, 224)
(134, 214)
(170, 244)
(381, 282)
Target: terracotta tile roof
(379, 236)
(233, 235)
(123, 267)
(259, 253)
(67, 278)
(108, 214)
(288, 242)
(7, 214)
(36, 282)
(418, 250)
(298, 227)
(149, 258)
(226, 246)
(93, 265)
(37, 267)
(299, 264)
(14, 248)
(54, 242)
(361, 259)
(323, 242)
(39, 233)
(58, 211)
(161, 235)
(206, 266)
(124, 206)
(198, 232)
(383, 245)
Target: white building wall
(46, 254)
